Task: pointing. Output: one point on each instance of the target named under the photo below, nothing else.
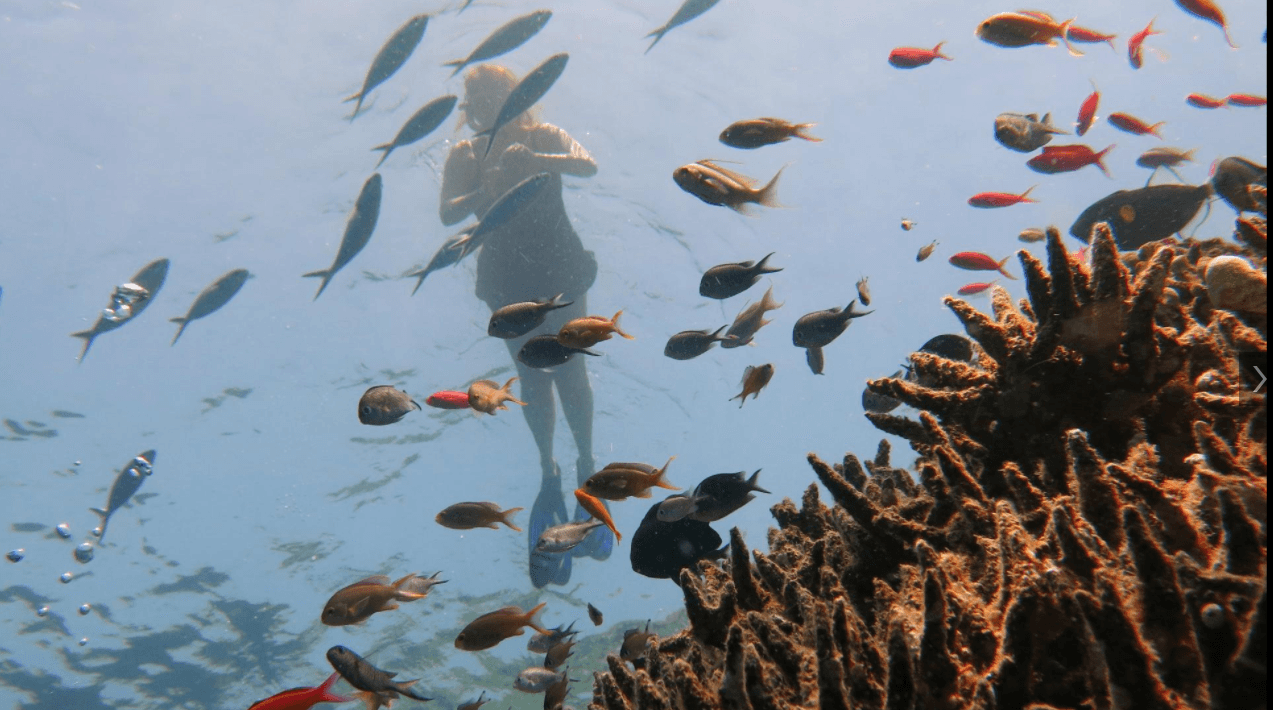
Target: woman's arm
(461, 184)
(557, 152)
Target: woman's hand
(518, 160)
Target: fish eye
(366, 410)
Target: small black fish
(518, 319)
(686, 12)
(127, 302)
(660, 550)
(392, 55)
(543, 351)
(689, 344)
(1233, 177)
(816, 361)
(126, 484)
(726, 280)
(818, 329)
(357, 230)
(362, 675)
(211, 299)
(634, 644)
(949, 346)
(724, 493)
(420, 124)
(1137, 217)
(384, 404)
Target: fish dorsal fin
(373, 579)
(747, 373)
(1033, 116)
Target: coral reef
(1087, 527)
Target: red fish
(1204, 101)
(448, 399)
(987, 200)
(1067, 158)
(1210, 12)
(1087, 112)
(302, 698)
(597, 509)
(911, 57)
(1086, 36)
(974, 288)
(1131, 124)
(976, 261)
(1135, 52)
(1246, 100)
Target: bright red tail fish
(1210, 12)
(1087, 112)
(974, 288)
(448, 399)
(1204, 101)
(302, 698)
(1246, 100)
(1135, 53)
(1131, 124)
(987, 200)
(1067, 158)
(976, 261)
(911, 57)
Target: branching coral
(1087, 527)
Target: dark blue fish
(527, 92)
(543, 351)
(504, 209)
(449, 254)
(1148, 214)
(358, 672)
(660, 549)
(212, 298)
(950, 346)
(818, 329)
(357, 230)
(688, 11)
(150, 279)
(689, 344)
(726, 280)
(390, 58)
(421, 124)
(724, 493)
(1232, 179)
(137, 469)
(508, 37)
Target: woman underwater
(536, 256)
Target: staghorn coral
(1086, 529)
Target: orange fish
(754, 380)
(976, 261)
(356, 603)
(1022, 29)
(974, 288)
(302, 698)
(987, 200)
(1067, 158)
(487, 630)
(1246, 100)
(1210, 12)
(597, 510)
(1204, 101)
(1135, 52)
(911, 57)
(588, 331)
(618, 481)
(1133, 125)
(1084, 35)
(485, 396)
(1087, 112)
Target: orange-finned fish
(1135, 52)
(987, 200)
(302, 698)
(1246, 100)
(1086, 36)
(1210, 12)
(1204, 101)
(974, 288)
(448, 399)
(1133, 125)
(1087, 112)
(976, 261)
(1023, 29)
(1067, 158)
(597, 510)
(911, 57)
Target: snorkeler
(535, 257)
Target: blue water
(213, 134)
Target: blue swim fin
(599, 543)
(549, 510)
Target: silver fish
(878, 403)
(357, 230)
(565, 537)
(541, 643)
(677, 506)
(1025, 132)
(687, 11)
(384, 404)
(818, 329)
(149, 280)
(527, 92)
(518, 319)
(504, 209)
(422, 585)
(749, 321)
(390, 58)
(726, 280)
(537, 679)
(421, 124)
(449, 254)
(509, 36)
(130, 478)
(689, 344)
(210, 299)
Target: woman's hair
(492, 83)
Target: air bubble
(64, 531)
(85, 609)
(84, 641)
(16, 555)
(66, 577)
(84, 553)
(1212, 616)
(42, 611)
(97, 531)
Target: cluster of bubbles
(125, 297)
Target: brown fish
(383, 405)
(357, 602)
(558, 654)
(486, 396)
(475, 704)
(754, 379)
(1022, 29)
(634, 642)
(618, 481)
(908, 224)
(594, 614)
(1031, 235)
(468, 515)
(864, 291)
(759, 132)
(487, 630)
(588, 331)
(715, 185)
(750, 320)
(926, 251)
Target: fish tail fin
(555, 302)
(853, 312)
(532, 618)
(716, 333)
(421, 273)
(1110, 41)
(1024, 197)
(1154, 129)
(357, 107)
(88, 336)
(761, 268)
(937, 52)
(657, 35)
(1227, 38)
(180, 330)
(387, 148)
(614, 323)
(1003, 263)
(768, 195)
(490, 140)
(751, 482)
(1100, 160)
(105, 515)
(458, 64)
(800, 130)
(324, 691)
(1065, 37)
(660, 478)
(404, 687)
(504, 516)
(1047, 125)
(325, 275)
